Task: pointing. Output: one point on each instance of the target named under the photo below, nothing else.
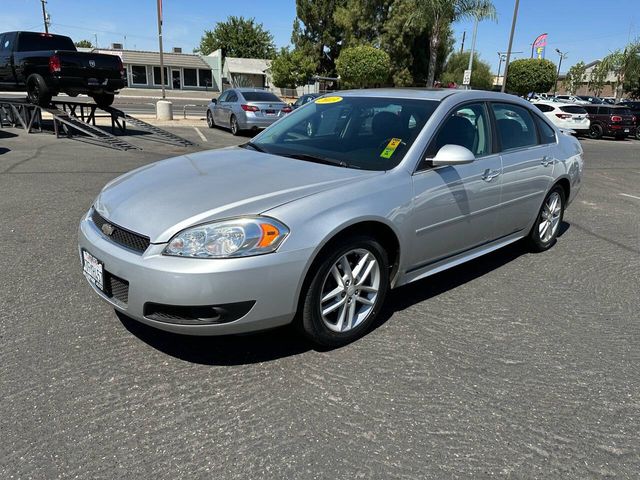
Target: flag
(541, 41)
(160, 11)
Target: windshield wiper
(313, 158)
(254, 146)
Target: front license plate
(93, 269)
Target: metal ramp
(70, 118)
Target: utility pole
(464, 34)
(513, 27)
(44, 16)
(562, 56)
(95, 35)
(473, 47)
(160, 43)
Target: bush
(292, 68)
(363, 66)
(530, 75)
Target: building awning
(247, 66)
(135, 57)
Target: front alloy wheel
(345, 293)
(209, 119)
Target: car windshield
(260, 97)
(368, 133)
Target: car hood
(163, 198)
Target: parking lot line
(204, 139)
(630, 196)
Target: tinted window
(515, 126)
(621, 111)
(260, 97)
(233, 97)
(156, 76)
(603, 110)
(223, 97)
(28, 42)
(547, 135)
(205, 78)
(468, 127)
(139, 74)
(544, 108)
(190, 77)
(573, 109)
(369, 133)
(590, 109)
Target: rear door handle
(489, 175)
(546, 161)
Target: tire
(541, 239)
(103, 99)
(37, 91)
(233, 125)
(355, 309)
(595, 131)
(210, 122)
(638, 133)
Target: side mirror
(453, 155)
(214, 100)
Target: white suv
(568, 116)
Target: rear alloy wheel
(210, 119)
(103, 100)
(235, 129)
(638, 133)
(545, 231)
(595, 131)
(346, 292)
(37, 91)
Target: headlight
(238, 237)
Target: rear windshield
(29, 42)
(620, 111)
(260, 97)
(573, 109)
(369, 133)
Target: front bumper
(271, 281)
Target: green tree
(575, 78)
(625, 64)
(531, 75)
(598, 79)
(316, 32)
(440, 14)
(388, 24)
(292, 68)
(481, 76)
(363, 66)
(84, 44)
(238, 37)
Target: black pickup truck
(45, 65)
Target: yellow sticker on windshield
(391, 147)
(329, 100)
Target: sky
(586, 29)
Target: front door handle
(489, 175)
(546, 161)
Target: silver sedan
(245, 109)
(315, 219)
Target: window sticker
(391, 147)
(329, 100)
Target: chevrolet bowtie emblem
(107, 229)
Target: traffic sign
(466, 79)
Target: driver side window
(467, 126)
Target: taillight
(123, 73)
(249, 108)
(287, 109)
(564, 116)
(54, 64)
(616, 118)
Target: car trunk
(94, 67)
(269, 109)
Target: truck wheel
(37, 91)
(103, 99)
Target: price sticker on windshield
(391, 147)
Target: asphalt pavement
(514, 365)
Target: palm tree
(438, 14)
(625, 64)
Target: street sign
(466, 79)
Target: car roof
(244, 89)
(429, 94)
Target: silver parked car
(317, 217)
(245, 109)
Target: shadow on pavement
(4, 150)
(6, 134)
(284, 342)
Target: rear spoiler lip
(567, 131)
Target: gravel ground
(514, 365)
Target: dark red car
(610, 120)
(634, 106)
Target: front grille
(122, 236)
(116, 287)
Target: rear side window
(547, 135)
(544, 108)
(232, 97)
(603, 110)
(591, 110)
(260, 97)
(573, 109)
(515, 126)
(29, 42)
